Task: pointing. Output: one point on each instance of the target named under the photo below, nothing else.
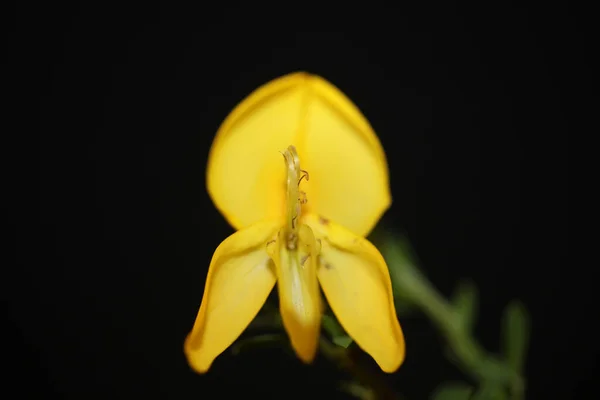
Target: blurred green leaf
(335, 330)
(256, 341)
(403, 306)
(465, 304)
(516, 331)
(357, 390)
(494, 369)
(452, 391)
(266, 320)
(490, 391)
(401, 261)
(396, 248)
(343, 341)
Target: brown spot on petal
(303, 259)
(324, 263)
(323, 220)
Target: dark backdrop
(111, 115)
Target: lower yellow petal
(299, 296)
(357, 285)
(240, 278)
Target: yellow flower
(299, 239)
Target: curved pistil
(294, 196)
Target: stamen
(304, 175)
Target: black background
(111, 115)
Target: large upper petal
(240, 277)
(336, 145)
(356, 282)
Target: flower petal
(349, 176)
(240, 278)
(299, 295)
(244, 175)
(335, 142)
(357, 285)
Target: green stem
(408, 280)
